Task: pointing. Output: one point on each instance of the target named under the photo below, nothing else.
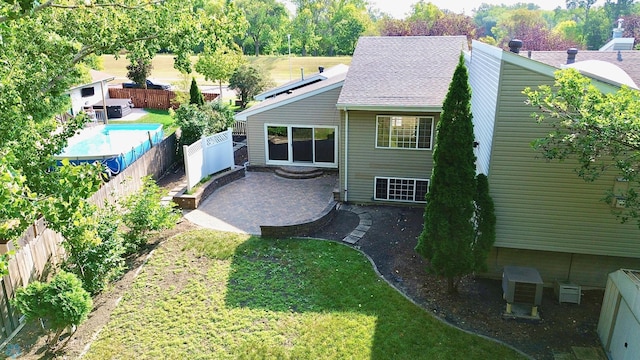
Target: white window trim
(375, 181)
(290, 162)
(403, 148)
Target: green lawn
(277, 66)
(207, 294)
(154, 116)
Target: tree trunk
(52, 342)
(452, 287)
(257, 48)
(220, 95)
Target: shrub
(197, 121)
(98, 263)
(61, 303)
(143, 214)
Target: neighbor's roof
(304, 81)
(629, 61)
(294, 95)
(96, 77)
(401, 72)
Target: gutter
(382, 108)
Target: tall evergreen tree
(485, 223)
(449, 234)
(195, 94)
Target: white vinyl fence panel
(207, 156)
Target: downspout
(346, 154)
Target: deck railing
(240, 127)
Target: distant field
(279, 67)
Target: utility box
(567, 292)
(522, 285)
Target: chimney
(515, 45)
(320, 69)
(571, 55)
(617, 32)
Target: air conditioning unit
(522, 285)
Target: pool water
(116, 146)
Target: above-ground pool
(116, 146)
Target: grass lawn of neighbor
(212, 295)
(154, 116)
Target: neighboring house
(547, 217)
(299, 126)
(390, 104)
(85, 95)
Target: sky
(399, 8)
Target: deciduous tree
(267, 20)
(448, 238)
(248, 81)
(47, 48)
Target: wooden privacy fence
(40, 246)
(152, 99)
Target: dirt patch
(479, 305)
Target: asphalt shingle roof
(395, 71)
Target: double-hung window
(401, 189)
(404, 132)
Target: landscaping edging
(303, 228)
(191, 201)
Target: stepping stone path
(363, 226)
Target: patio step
(298, 172)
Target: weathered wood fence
(40, 247)
(150, 98)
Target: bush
(197, 121)
(143, 214)
(99, 263)
(61, 303)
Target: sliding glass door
(301, 145)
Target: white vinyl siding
(404, 132)
(400, 189)
(484, 79)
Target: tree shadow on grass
(341, 292)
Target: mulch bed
(478, 306)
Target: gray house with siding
(547, 217)
(389, 106)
